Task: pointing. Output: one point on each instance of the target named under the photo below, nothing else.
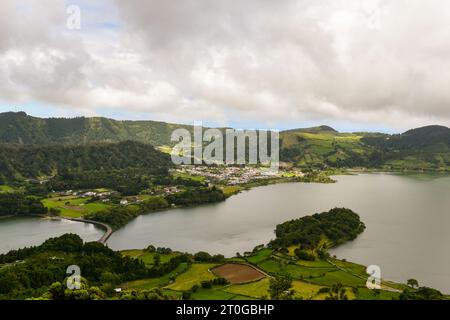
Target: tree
(186, 296)
(422, 293)
(156, 259)
(206, 284)
(279, 287)
(337, 292)
(413, 283)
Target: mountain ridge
(424, 148)
(82, 124)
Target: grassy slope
(314, 148)
(309, 277)
(21, 128)
(323, 146)
(197, 273)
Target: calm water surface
(407, 219)
(22, 232)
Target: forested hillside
(426, 148)
(21, 128)
(31, 162)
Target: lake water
(407, 219)
(23, 232)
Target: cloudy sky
(353, 64)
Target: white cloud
(368, 62)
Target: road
(108, 229)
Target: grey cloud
(310, 59)
(371, 62)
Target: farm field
(304, 290)
(257, 289)
(193, 276)
(212, 294)
(151, 283)
(311, 279)
(238, 273)
(74, 207)
(341, 277)
(260, 256)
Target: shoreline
(108, 230)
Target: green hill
(21, 128)
(426, 148)
(422, 148)
(18, 162)
(324, 146)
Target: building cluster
(229, 175)
(163, 191)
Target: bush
(303, 255)
(206, 284)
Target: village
(235, 175)
(77, 203)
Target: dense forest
(18, 204)
(337, 225)
(125, 181)
(79, 163)
(42, 269)
(193, 196)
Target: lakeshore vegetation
(275, 271)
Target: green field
(151, 283)
(305, 290)
(74, 207)
(212, 294)
(193, 276)
(6, 189)
(351, 267)
(257, 289)
(315, 264)
(341, 277)
(188, 176)
(271, 266)
(308, 278)
(260, 256)
(300, 272)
